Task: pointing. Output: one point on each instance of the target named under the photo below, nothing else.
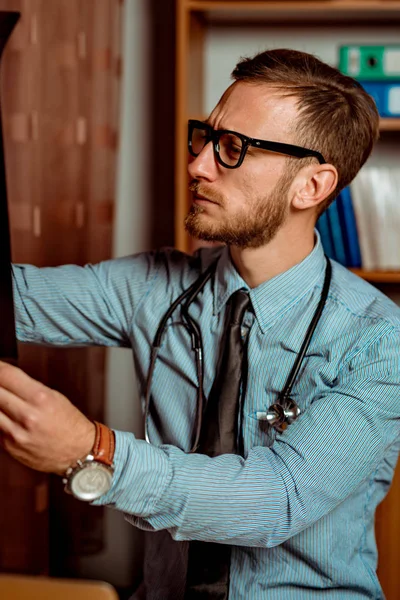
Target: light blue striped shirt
(299, 507)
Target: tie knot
(239, 301)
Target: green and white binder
(370, 63)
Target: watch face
(91, 481)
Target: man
(293, 504)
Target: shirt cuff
(141, 474)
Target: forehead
(257, 110)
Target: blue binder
(336, 233)
(325, 234)
(349, 228)
(386, 95)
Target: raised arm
(79, 306)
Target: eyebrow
(207, 122)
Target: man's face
(244, 207)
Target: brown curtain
(60, 100)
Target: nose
(203, 166)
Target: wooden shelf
(387, 124)
(328, 11)
(378, 276)
(232, 5)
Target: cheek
(264, 175)
(238, 192)
(243, 186)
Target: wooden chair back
(22, 587)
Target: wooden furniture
(24, 493)
(60, 85)
(195, 20)
(13, 587)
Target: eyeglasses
(230, 147)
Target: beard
(255, 225)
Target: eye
(230, 147)
(234, 148)
(200, 137)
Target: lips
(203, 198)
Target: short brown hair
(337, 117)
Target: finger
(19, 383)
(7, 426)
(16, 409)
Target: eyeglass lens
(229, 146)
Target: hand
(39, 426)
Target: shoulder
(166, 270)
(360, 298)
(179, 270)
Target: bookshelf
(378, 276)
(198, 25)
(196, 18)
(389, 124)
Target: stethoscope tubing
(310, 331)
(197, 345)
(284, 403)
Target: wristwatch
(92, 476)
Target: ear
(312, 185)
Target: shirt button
(243, 332)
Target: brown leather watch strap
(104, 444)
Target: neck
(285, 250)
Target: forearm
(194, 496)
(272, 494)
(227, 499)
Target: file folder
(386, 95)
(371, 63)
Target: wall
(225, 45)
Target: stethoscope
(279, 415)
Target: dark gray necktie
(209, 563)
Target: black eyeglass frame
(213, 136)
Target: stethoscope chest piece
(279, 416)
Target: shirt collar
(275, 296)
